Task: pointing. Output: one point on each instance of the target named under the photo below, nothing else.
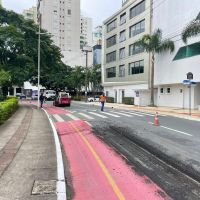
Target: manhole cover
(44, 187)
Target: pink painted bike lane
(98, 172)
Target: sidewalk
(171, 111)
(28, 167)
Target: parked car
(21, 96)
(34, 97)
(62, 99)
(50, 94)
(93, 99)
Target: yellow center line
(101, 164)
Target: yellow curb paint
(101, 164)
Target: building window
(107, 93)
(138, 9)
(111, 41)
(110, 57)
(111, 72)
(112, 25)
(137, 28)
(123, 19)
(136, 67)
(161, 90)
(135, 49)
(168, 90)
(122, 71)
(122, 53)
(122, 36)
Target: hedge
(128, 100)
(7, 108)
(110, 99)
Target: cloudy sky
(99, 10)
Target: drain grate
(44, 187)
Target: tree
(193, 29)
(154, 44)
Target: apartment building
(171, 69)
(31, 14)
(1, 2)
(97, 36)
(86, 31)
(125, 65)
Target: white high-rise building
(31, 14)
(61, 18)
(86, 31)
(0, 2)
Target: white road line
(133, 113)
(88, 123)
(58, 118)
(148, 114)
(86, 116)
(151, 123)
(60, 186)
(176, 131)
(119, 113)
(102, 116)
(106, 113)
(72, 117)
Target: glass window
(122, 53)
(162, 90)
(136, 67)
(112, 25)
(122, 36)
(168, 90)
(135, 49)
(111, 72)
(138, 9)
(122, 71)
(122, 18)
(111, 41)
(137, 28)
(110, 57)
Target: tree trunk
(152, 80)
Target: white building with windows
(31, 14)
(125, 65)
(171, 69)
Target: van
(49, 94)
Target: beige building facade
(31, 14)
(125, 65)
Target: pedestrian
(102, 99)
(42, 97)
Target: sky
(98, 10)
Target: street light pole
(39, 66)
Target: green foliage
(7, 108)
(4, 78)
(193, 29)
(128, 100)
(110, 99)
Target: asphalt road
(168, 154)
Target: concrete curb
(61, 187)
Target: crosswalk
(96, 115)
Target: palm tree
(193, 29)
(154, 44)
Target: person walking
(42, 97)
(102, 100)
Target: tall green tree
(154, 44)
(193, 29)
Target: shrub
(110, 99)
(128, 100)
(7, 108)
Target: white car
(93, 99)
(50, 94)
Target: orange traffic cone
(156, 120)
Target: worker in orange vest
(102, 99)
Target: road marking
(101, 164)
(60, 186)
(102, 116)
(122, 114)
(58, 118)
(87, 116)
(148, 114)
(176, 130)
(105, 113)
(88, 123)
(133, 113)
(151, 123)
(72, 117)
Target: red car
(62, 99)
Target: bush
(110, 99)
(7, 108)
(128, 100)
